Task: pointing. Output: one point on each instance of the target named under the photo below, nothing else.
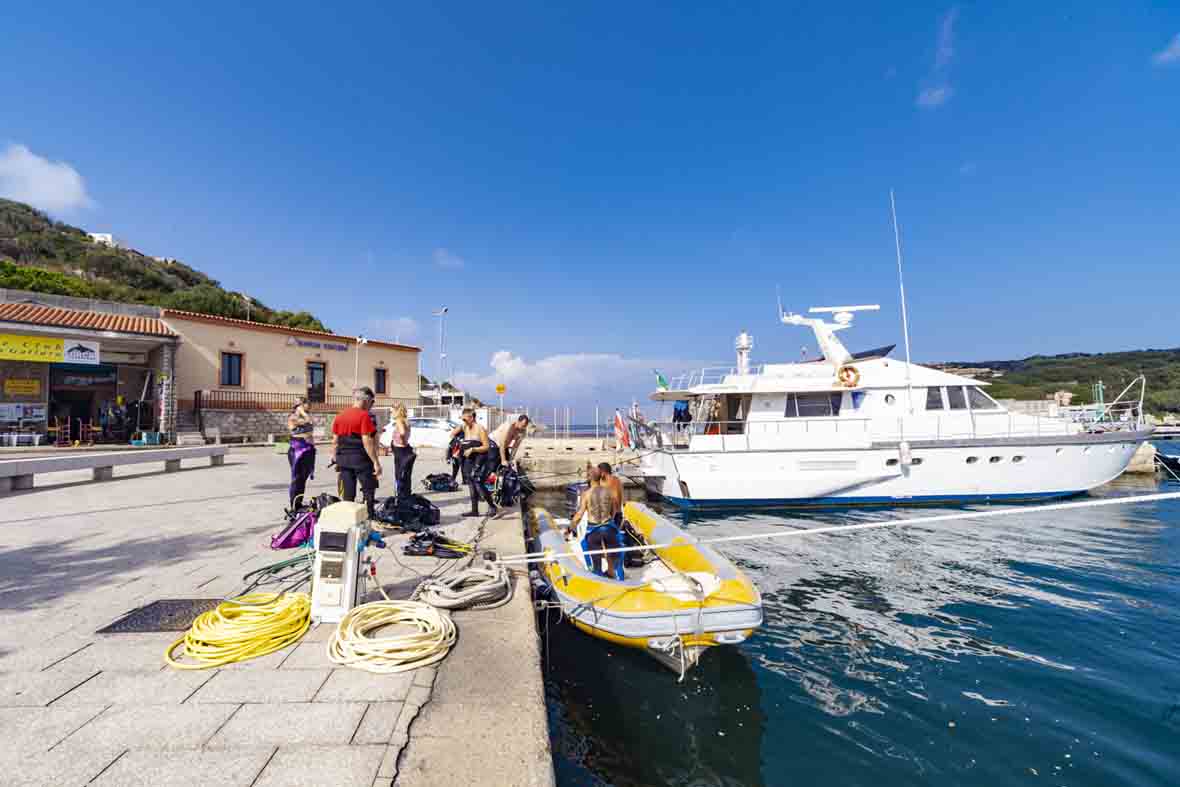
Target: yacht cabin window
(955, 398)
(933, 398)
(813, 405)
(979, 400)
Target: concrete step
(189, 438)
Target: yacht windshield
(979, 400)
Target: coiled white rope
(486, 587)
(353, 644)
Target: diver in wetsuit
(354, 449)
(301, 454)
(476, 450)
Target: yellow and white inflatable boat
(688, 599)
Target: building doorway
(316, 381)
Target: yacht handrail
(709, 375)
(983, 424)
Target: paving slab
(57, 768)
(32, 689)
(120, 652)
(261, 686)
(321, 766)
(352, 685)
(30, 730)
(292, 723)
(310, 655)
(378, 723)
(151, 727)
(125, 688)
(183, 768)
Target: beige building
(77, 370)
(235, 363)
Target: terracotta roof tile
(37, 314)
(263, 326)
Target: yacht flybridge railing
(835, 432)
(710, 375)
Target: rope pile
(244, 628)
(430, 639)
(487, 587)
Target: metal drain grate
(167, 614)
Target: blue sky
(601, 188)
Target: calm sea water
(1037, 649)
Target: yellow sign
(46, 349)
(15, 386)
(41, 349)
(500, 389)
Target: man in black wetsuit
(354, 448)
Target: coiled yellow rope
(244, 628)
(429, 638)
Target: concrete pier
(78, 707)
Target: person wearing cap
(354, 449)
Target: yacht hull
(940, 472)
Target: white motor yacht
(868, 429)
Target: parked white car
(425, 432)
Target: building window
(818, 405)
(231, 369)
(955, 398)
(379, 381)
(933, 398)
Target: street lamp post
(441, 314)
(356, 369)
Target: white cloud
(1169, 54)
(577, 379)
(935, 96)
(397, 329)
(52, 186)
(448, 260)
(946, 40)
(938, 90)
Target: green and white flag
(661, 383)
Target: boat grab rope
(549, 554)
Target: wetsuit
(603, 533)
(353, 465)
(474, 473)
(403, 460)
(301, 458)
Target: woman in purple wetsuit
(301, 454)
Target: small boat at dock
(683, 600)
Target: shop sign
(17, 386)
(46, 349)
(81, 352)
(293, 341)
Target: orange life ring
(849, 376)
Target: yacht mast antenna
(905, 322)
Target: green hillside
(43, 255)
(1040, 375)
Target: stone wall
(257, 425)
